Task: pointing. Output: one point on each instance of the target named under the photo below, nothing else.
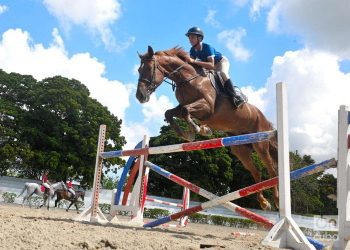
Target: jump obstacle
(285, 233)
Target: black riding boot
(236, 100)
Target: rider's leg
(47, 188)
(223, 67)
(236, 99)
(72, 192)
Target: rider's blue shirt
(206, 52)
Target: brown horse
(200, 100)
(66, 195)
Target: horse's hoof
(265, 205)
(205, 131)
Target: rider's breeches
(46, 185)
(71, 191)
(223, 67)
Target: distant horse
(35, 188)
(199, 99)
(66, 195)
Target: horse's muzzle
(142, 95)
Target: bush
(63, 204)
(35, 201)
(155, 213)
(105, 208)
(9, 197)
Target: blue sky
(302, 43)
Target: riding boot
(236, 99)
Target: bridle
(153, 85)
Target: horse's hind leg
(263, 151)
(244, 154)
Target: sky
(304, 44)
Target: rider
(70, 187)
(204, 55)
(45, 181)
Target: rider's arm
(208, 65)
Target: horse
(66, 195)
(200, 102)
(35, 188)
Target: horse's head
(150, 76)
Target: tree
(209, 169)
(328, 190)
(14, 92)
(109, 182)
(56, 123)
(305, 192)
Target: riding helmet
(195, 31)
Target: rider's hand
(190, 60)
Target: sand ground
(25, 228)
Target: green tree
(14, 92)
(56, 124)
(109, 182)
(328, 191)
(209, 169)
(305, 192)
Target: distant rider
(45, 182)
(70, 188)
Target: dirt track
(25, 228)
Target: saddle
(217, 82)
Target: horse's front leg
(200, 110)
(71, 203)
(179, 113)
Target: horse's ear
(150, 51)
(139, 55)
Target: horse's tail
(24, 189)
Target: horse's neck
(55, 185)
(180, 71)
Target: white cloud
(96, 16)
(232, 40)
(257, 5)
(19, 54)
(322, 24)
(256, 97)
(3, 9)
(210, 19)
(316, 88)
(154, 109)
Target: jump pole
(229, 205)
(299, 173)
(191, 146)
(343, 180)
(138, 195)
(94, 213)
(285, 233)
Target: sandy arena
(25, 228)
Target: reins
(153, 86)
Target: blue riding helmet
(195, 31)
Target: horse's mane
(176, 51)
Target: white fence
(327, 223)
